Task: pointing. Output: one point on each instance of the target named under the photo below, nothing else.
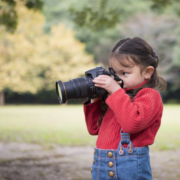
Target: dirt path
(20, 161)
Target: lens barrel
(74, 89)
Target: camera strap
(116, 78)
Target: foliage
(103, 15)
(173, 9)
(100, 42)
(57, 12)
(8, 13)
(31, 60)
(94, 15)
(159, 4)
(93, 18)
(17, 60)
(65, 57)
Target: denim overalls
(122, 164)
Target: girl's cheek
(119, 76)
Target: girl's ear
(148, 72)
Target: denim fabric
(128, 163)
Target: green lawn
(65, 125)
(168, 136)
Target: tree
(107, 14)
(100, 42)
(31, 60)
(65, 57)
(91, 14)
(8, 13)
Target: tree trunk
(2, 98)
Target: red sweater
(141, 118)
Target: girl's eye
(125, 74)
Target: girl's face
(131, 75)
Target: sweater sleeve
(92, 113)
(137, 115)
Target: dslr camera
(84, 87)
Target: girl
(127, 121)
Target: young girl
(127, 121)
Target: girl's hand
(107, 83)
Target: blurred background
(44, 41)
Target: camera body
(93, 73)
(83, 87)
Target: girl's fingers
(99, 84)
(98, 81)
(102, 77)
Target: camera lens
(74, 89)
(61, 92)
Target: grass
(44, 125)
(168, 136)
(65, 125)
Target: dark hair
(143, 55)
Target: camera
(83, 87)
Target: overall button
(91, 169)
(110, 164)
(94, 152)
(110, 154)
(111, 174)
(93, 161)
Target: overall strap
(125, 139)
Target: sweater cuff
(119, 92)
(88, 103)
